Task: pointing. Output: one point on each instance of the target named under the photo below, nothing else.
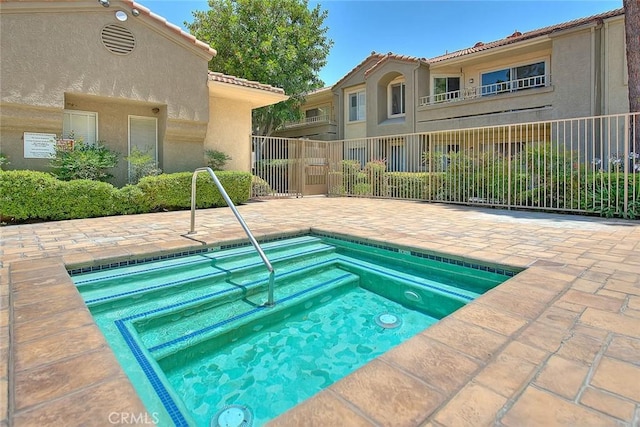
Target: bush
(173, 191)
(27, 194)
(4, 160)
(414, 185)
(260, 187)
(84, 161)
(605, 195)
(216, 159)
(141, 164)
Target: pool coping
(475, 339)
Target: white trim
(144, 118)
(398, 81)
(348, 104)
(93, 114)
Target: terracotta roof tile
(392, 56)
(224, 78)
(374, 55)
(188, 37)
(517, 36)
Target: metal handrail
(254, 242)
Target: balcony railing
(474, 92)
(323, 118)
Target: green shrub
(173, 191)
(260, 187)
(141, 164)
(605, 195)
(414, 185)
(84, 161)
(27, 195)
(4, 160)
(216, 160)
(375, 172)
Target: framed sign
(39, 145)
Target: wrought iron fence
(586, 165)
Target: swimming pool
(193, 336)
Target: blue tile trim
(243, 315)
(152, 376)
(476, 266)
(424, 285)
(177, 282)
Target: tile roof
(374, 55)
(191, 39)
(224, 78)
(518, 37)
(392, 56)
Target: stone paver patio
(559, 344)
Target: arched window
(396, 98)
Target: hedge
(31, 195)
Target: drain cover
(388, 320)
(233, 416)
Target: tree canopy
(282, 43)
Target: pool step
(430, 297)
(110, 290)
(170, 332)
(180, 266)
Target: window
(396, 96)
(143, 135)
(446, 88)
(359, 154)
(83, 125)
(513, 79)
(357, 106)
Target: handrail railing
(253, 240)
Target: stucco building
(568, 70)
(113, 71)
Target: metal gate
(284, 167)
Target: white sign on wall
(39, 145)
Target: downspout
(415, 96)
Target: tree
(278, 42)
(632, 34)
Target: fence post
(509, 169)
(627, 150)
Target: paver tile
(590, 300)
(490, 318)
(608, 403)
(437, 364)
(475, 405)
(324, 409)
(506, 374)
(618, 377)
(539, 408)
(611, 321)
(469, 339)
(380, 392)
(562, 376)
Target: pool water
(199, 346)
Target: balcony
(474, 92)
(320, 119)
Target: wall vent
(118, 39)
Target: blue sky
(421, 28)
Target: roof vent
(478, 44)
(118, 39)
(516, 33)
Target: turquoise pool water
(194, 338)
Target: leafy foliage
(30, 195)
(282, 43)
(141, 164)
(216, 159)
(173, 191)
(3, 160)
(84, 161)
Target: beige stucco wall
(53, 59)
(357, 129)
(615, 73)
(573, 67)
(229, 131)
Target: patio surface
(559, 344)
